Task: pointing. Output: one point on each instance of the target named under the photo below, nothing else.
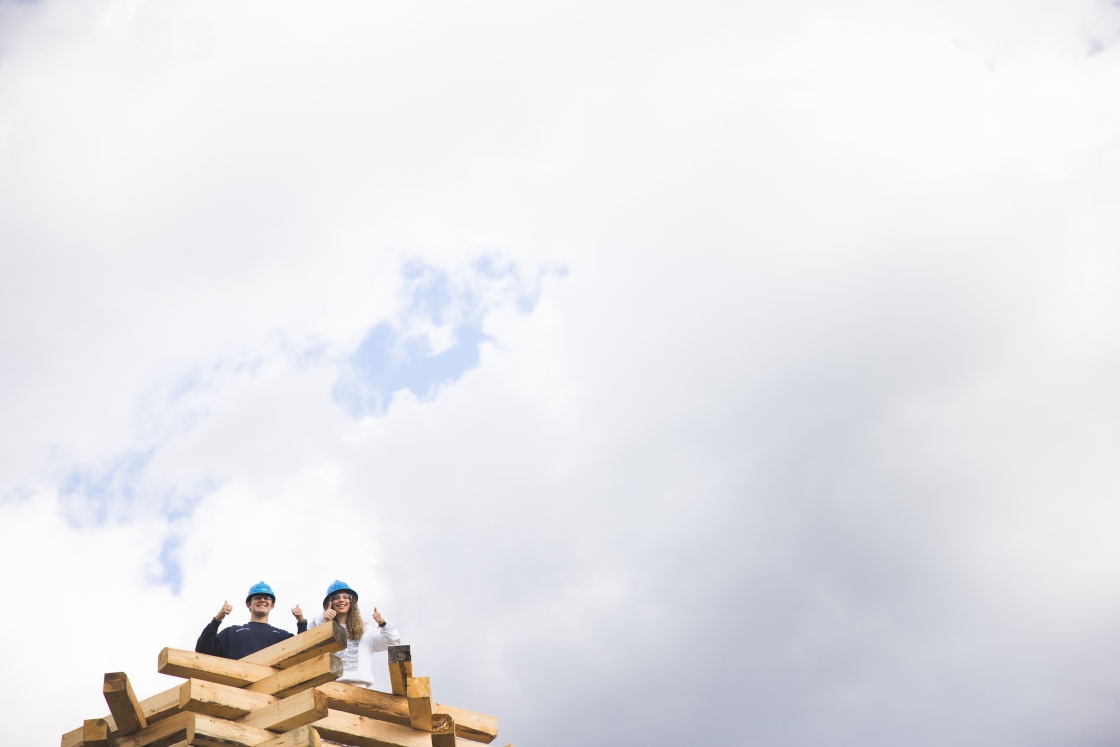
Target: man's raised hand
(225, 610)
(298, 613)
(328, 614)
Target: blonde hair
(354, 625)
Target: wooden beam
(309, 674)
(304, 736)
(187, 664)
(443, 730)
(221, 701)
(297, 710)
(155, 709)
(477, 727)
(400, 668)
(359, 731)
(196, 729)
(128, 716)
(369, 703)
(160, 706)
(96, 733)
(420, 703)
(177, 728)
(73, 738)
(216, 732)
(322, 639)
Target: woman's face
(340, 602)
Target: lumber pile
(283, 696)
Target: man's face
(340, 602)
(259, 605)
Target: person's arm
(315, 620)
(386, 635)
(301, 623)
(208, 642)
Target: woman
(362, 638)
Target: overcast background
(668, 372)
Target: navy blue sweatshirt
(238, 641)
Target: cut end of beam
(443, 730)
(96, 733)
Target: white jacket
(358, 656)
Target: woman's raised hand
(328, 614)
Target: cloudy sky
(669, 373)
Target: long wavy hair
(354, 625)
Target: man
(239, 641)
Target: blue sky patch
(90, 496)
(119, 491)
(435, 338)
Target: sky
(707, 372)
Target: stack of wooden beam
(283, 696)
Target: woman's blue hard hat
(339, 586)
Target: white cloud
(816, 437)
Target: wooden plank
(420, 703)
(305, 736)
(160, 706)
(350, 729)
(172, 730)
(73, 738)
(369, 703)
(443, 730)
(477, 727)
(128, 716)
(188, 664)
(400, 668)
(196, 729)
(221, 701)
(216, 732)
(96, 733)
(156, 708)
(309, 674)
(297, 710)
(323, 639)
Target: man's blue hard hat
(339, 586)
(260, 588)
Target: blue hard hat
(260, 588)
(339, 586)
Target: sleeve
(385, 637)
(301, 627)
(314, 621)
(208, 642)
